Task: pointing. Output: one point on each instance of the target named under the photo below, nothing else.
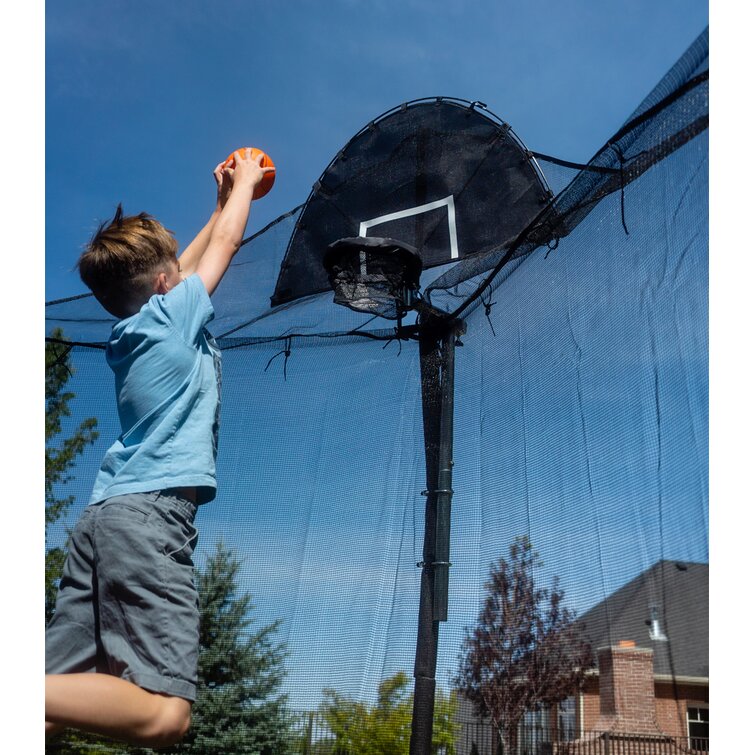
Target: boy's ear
(160, 284)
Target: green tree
(526, 651)
(385, 728)
(239, 706)
(60, 453)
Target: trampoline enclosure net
(580, 424)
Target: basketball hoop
(379, 276)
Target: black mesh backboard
(437, 174)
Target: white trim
(581, 727)
(448, 202)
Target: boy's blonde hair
(121, 261)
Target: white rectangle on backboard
(448, 202)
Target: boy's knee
(170, 723)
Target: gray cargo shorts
(127, 604)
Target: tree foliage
(526, 650)
(239, 706)
(384, 728)
(60, 453)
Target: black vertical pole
(436, 366)
(443, 490)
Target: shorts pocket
(181, 537)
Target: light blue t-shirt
(167, 385)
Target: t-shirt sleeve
(188, 307)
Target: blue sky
(144, 98)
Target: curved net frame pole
(437, 371)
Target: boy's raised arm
(227, 232)
(190, 257)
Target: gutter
(702, 681)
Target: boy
(122, 645)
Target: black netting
(667, 119)
(580, 422)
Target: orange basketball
(268, 179)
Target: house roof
(679, 592)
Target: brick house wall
(623, 702)
(625, 694)
(627, 691)
(671, 702)
(589, 705)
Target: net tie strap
(552, 246)
(395, 337)
(622, 160)
(489, 304)
(286, 352)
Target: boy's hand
(224, 180)
(228, 230)
(246, 176)
(248, 171)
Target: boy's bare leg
(104, 704)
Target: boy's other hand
(224, 180)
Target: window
(533, 730)
(697, 728)
(567, 719)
